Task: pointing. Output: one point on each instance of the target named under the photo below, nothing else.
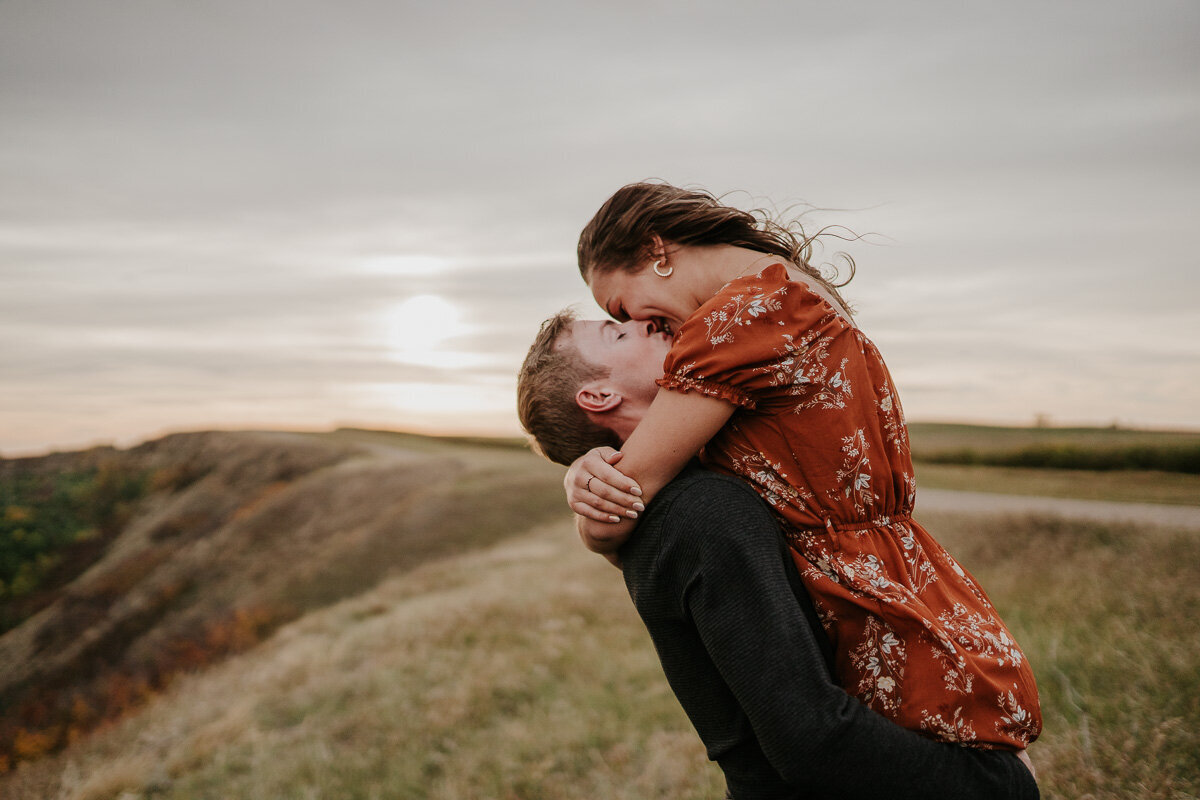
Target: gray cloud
(195, 193)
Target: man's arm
(720, 558)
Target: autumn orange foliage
(47, 720)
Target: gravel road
(1100, 510)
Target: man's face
(632, 351)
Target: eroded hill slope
(228, 536)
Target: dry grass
(271, 526)
(520, 670)
(1107, 615)
(1172, 488)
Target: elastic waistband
(862, 525)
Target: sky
(310, 214)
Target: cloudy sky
(304, 214)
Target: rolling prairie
(466, 646)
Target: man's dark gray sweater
(740, 648)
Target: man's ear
(596, 398)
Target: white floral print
(891, 418)
(980, 635)
(921, 571)
(821, 435)
(740, 311)
(768, 477)
(854, 478)
(802, 368)
(955, 729)
(879, 659)
(1016, 720)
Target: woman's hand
(599, 491)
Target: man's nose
(639, 327)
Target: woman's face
(645, 295)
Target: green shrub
(41, 514)
(1184, 458)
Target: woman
(769, 375)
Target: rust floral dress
(820, 435)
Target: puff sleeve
(748, 339)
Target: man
(736, 634)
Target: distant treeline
(1163, 458)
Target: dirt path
(1099, 510)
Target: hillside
(202, 544)
(389, 616)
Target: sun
(418, 328)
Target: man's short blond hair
(553, 372)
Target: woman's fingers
(591, 500)
(601, 469)
(611, 498)
(593, 507)
(599, 502)
(599, 491)
(584, 509)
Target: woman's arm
(675, 427)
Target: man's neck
(624, 419)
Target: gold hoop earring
(666, 274)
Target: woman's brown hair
(619, 235)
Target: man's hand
(603, 537)
(1024, 756)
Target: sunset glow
(419, 329)
(363, 217)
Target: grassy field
(1126, 486)
(1092, 449)
(521, 672)
(264, 529)
(929, 437)
(1107, 616)
(932, 441)
(518, 669)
